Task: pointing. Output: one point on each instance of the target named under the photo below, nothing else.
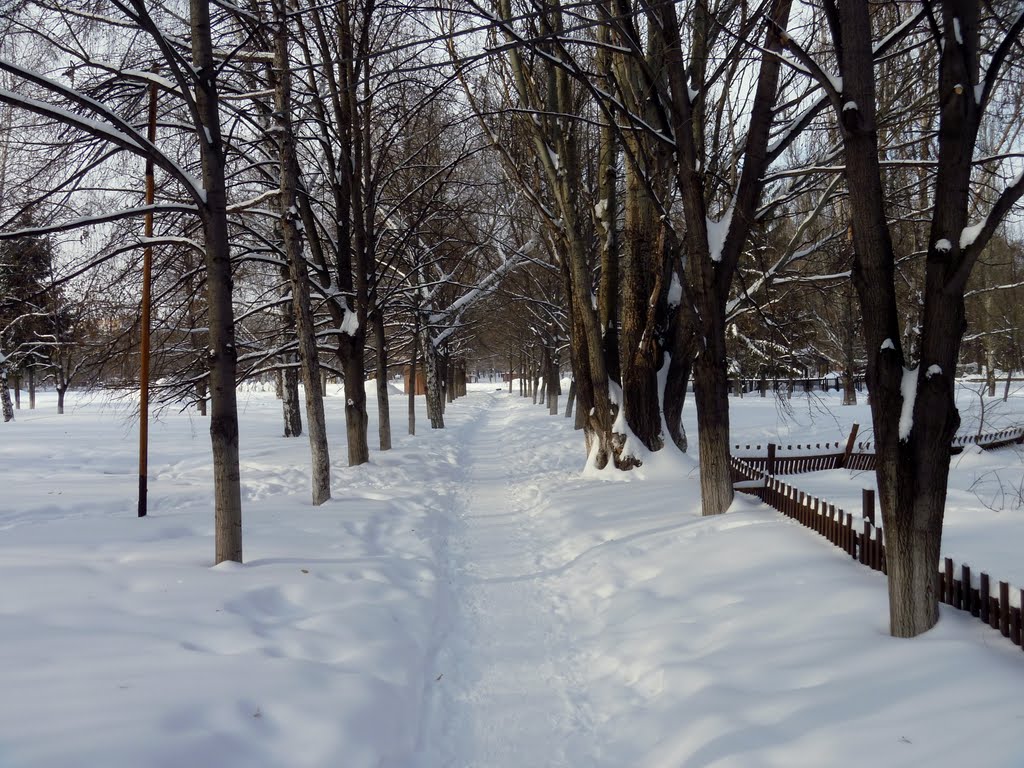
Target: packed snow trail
(505, 692)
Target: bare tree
(913, 410)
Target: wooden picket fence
(996, 610)
(743, 386)
(858, 536)
(864, 541)
(777, 459)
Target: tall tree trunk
(449, 378)
(31, 388)
(352, 238)
(849, 360)
(677, 377)
(291, 409)
(383, 403)
(912, 464)
(571, 399)
(222, 351)
(413, 374)
(711, 395)
(435, 392)
(553, 385)
(355, 406)
(17, 390)
(5, 394)
(299, 274)
(287, 379)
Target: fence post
(984, 599)
(845, 461)
(771, 459)
(868, 502)
(1004, 608)
(970, 604)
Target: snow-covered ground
(984, 520)
(470, 598)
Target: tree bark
(678, 376)
(383, 402)
(291, 231)
(412, 374)
(913, 455)
(5, 394)
(222, 351)
(201, 396)
(435, 393)
(290, 407)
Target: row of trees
(646, 190)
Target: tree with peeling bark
(912, 400)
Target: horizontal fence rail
(744, 385)
(778, 459)
(864, 541)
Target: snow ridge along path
(506, 693)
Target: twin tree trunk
(913, 459)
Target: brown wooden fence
(858, 536)
(863, 541)
(778, 459)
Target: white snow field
(471, 598)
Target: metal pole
(147, 269)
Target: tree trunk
(571, 399)
(912, 464)
(413, 385)
(290, 407)
(640, 290)
(711, 394)
(355, 408)
(17, 391)
(201, 396)
(31, 388)
(61, 390)
(383, 403)
(222, 351)
(990, 368)
(678, 377)
(5, 395)
(297, 270)
(552, 387)
(449, 379)
(435, 395)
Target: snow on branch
(102, 218)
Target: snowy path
(507, 694)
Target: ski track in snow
(507, 693)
